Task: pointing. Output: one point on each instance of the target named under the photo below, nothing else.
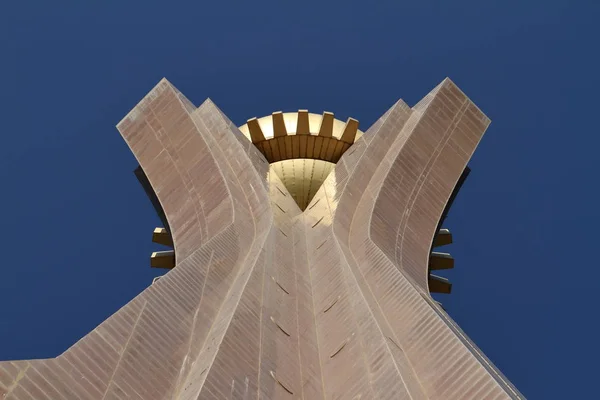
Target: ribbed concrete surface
(270, 302)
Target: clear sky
(76, 224)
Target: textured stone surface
(270, 302)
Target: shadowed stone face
(279, 290)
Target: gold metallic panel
(281, 146)
(350, 131)
(440, 261)
(442, 238)
(302, 127)
(275, 150)
(302, 177)
(310, 147)
(256, 134)
(278, 124)
(338, 151)
(438, 284)
(302, 146)
(287, 141)
(163, 259)
(326, 128)
(295, 143)
(329, 150)
(161, 236)
(318, 147)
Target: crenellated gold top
(283, 136)
(302, 147)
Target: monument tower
(301, 262)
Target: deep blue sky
(77, 226)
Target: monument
(303, 256)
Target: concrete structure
(287, 287)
